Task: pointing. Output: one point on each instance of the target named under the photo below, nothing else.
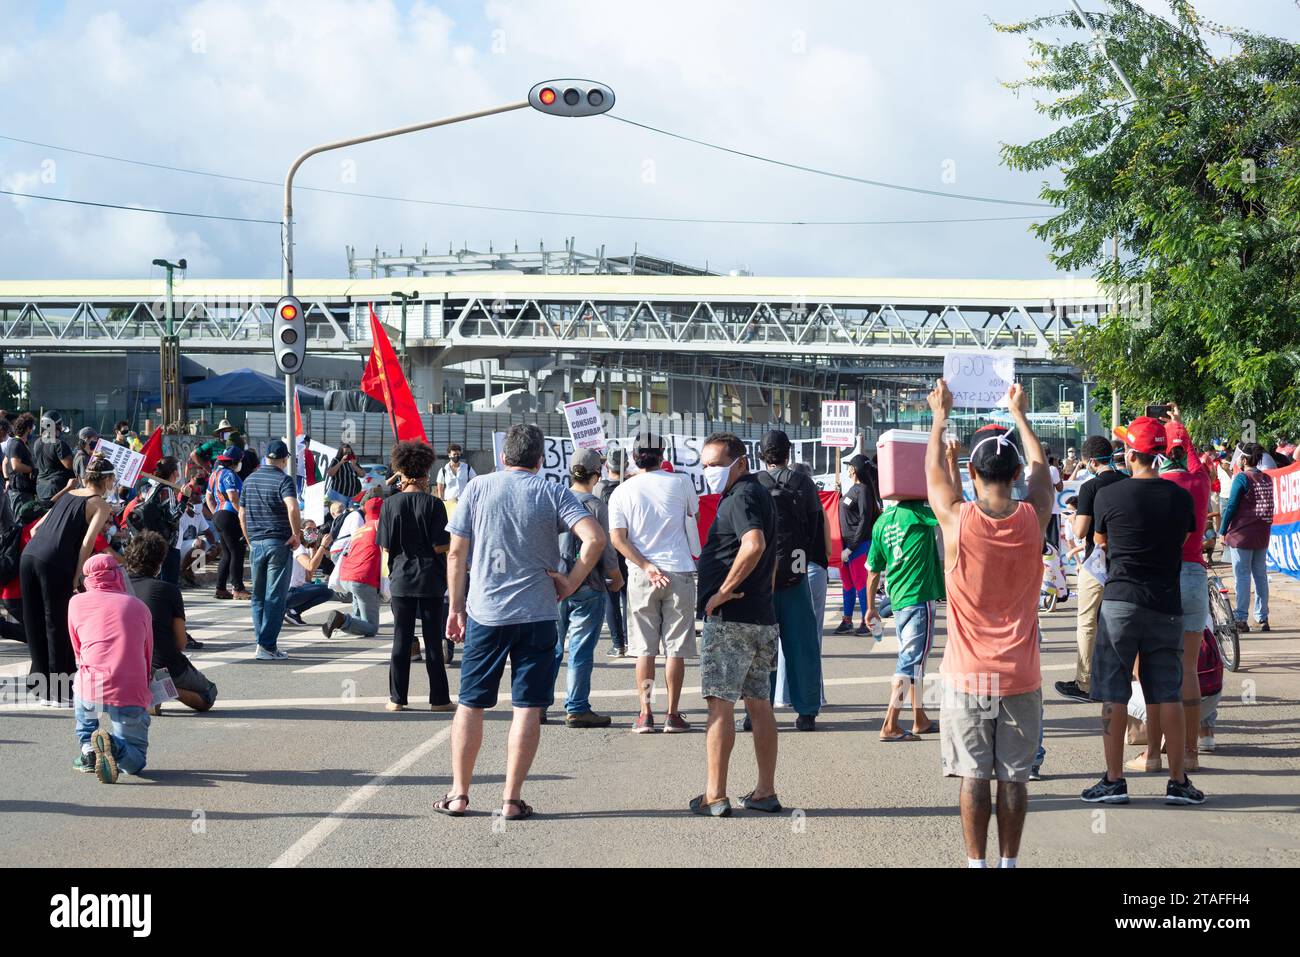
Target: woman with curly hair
(413, 535)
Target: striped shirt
(265, 514)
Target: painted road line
(355, 662)
(318, 834)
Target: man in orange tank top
(992, 711)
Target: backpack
(1209, 665)
(604, 489)
(153, 515)
(792, 533)
(11, 550)
(571, 544)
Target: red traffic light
(288, 312)
(547, 96)
(571, 97)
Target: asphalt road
(299, 765)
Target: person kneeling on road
(144, 562)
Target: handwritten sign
(839, 424)
(126, 463)
(978, 380)
(585, 426)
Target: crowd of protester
(524, 571)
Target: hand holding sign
(978, 380)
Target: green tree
(1199, 179)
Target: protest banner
(978, 380)
(1284, 543)
(126, 463)
(839, 424)
(585, 425)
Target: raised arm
(942, 485)
(1039, 478)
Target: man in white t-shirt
(648, 516)
(193, 532)
(454, 476)
(303, 592)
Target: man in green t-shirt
(903, 546)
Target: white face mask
(715, 478)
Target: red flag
(384, 382)
(152, 452)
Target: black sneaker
(1243, 626)
(1071, 690)
(1036, 773)
(1263, 625)
(615, 651)
(1185, 793)
(1107, 792)
(293, 617)
(862, 629)
(805, 722)
(844, 627)
(192, 643)
(334, 621)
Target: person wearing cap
(272, 526)
(583, 612)
(361, 573)
(453, 477)
(1246, 527)
(53, 460)
(1184, 469)
(224, 489)
(1098, 458)
(992, 709)
(648, 513)
(1143, 524)
(87, 439)
(797, 681)
(615, 602)
(859, 507)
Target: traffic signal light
(289, 330)
(571, 97)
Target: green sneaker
(84, 762)
(105, 763)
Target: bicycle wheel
(1225, 625)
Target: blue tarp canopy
(245, 387)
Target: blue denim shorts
(530, 649)
(1194, 586)
(915, 627)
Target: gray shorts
(191, 679)
(1128, 633)
(988, 737)
(736, 659)
(1193, 583)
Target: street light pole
(169, 373)
(286, 222)
(404, 298)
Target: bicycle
(1224, 623)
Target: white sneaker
(264, 654)
(1206, 743)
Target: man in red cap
(1142, 525)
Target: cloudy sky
(906, 91)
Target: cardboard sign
(585, 427)
(978, 380)
(839, 424)
(126, 463)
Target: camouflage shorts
(736, 659)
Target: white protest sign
(839, 424)
(320, 448)
(978, 380)
(126, 463)
(585, 426)
(313, 503)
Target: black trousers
(231, 568)
(171, 569)
(430, 613)
(46, 593)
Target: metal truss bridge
(793, 331)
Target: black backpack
(153, 515)
(792, 533)
(11, 550)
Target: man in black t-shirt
(739, 643)
(52, 457)
(1097, 457)
(144, 560)
(1142, 523)
(21, 467)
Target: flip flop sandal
(901, 736)
(933, 729)
(525, 811)
(443, 806)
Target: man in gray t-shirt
(506, 526)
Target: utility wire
(510, 209)
(137, 209)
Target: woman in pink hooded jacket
(112, 637)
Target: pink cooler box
(900, 456)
